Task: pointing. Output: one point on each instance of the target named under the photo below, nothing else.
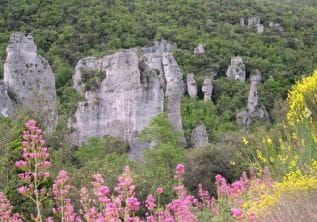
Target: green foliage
(92, 78)
(195, 112)
(98, 148)
(222, 158)
(160, 131)
(230, 97)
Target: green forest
(281, 153)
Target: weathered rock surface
(191, 85)
(260, 28)
(242, 22)
(254, 108)
(276, 26)
(174, 91)
(199, 49)
(199, 136)
(30, 80)
(6, 104)
(207, 89)
(254, 21)
(236, 70)
(130, 94)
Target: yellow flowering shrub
(301, 98)
(268, 195)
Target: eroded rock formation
(276, 26)
(207, 89)
(236, 70)
(191, 85)
(130, 91)
(254, 21)
(29, 79)
(254, 108)
(199, 136)
(199, 49)
(6, 103)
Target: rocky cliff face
(130, 91)
(30, 80)
(199, 137)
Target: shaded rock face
(236, 70)
(207, 89)
(199, 136)
(6, 104)
(130, 94)
(276, 26)
(191, 85)
(199, 49)
(30, 80)
(254, 108)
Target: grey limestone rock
(276, 26)
(30, 79)
(260, 28)
(254, 108)
(242, 22)
(174, 91)
(236, 70)
(199, 49)
(207, 89)
(131, 93)
(191, 85)
(6, 103)
(254, 21)
(199, 136)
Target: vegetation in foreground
(281, 169)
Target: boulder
(199, 49)
(30, 79)
(199, 136)
(191, 85)
(276, 26)
(207, 89)
(6, 103)
(236, 69)
(129, 92)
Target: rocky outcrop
(199, 49)
(174, 91)
(260, 28)
(254, 108)
(236, 70)
(130, 92)
(276, 26)
(30, 80)
(207, 89)
(254, 21)
(242, 22)
(191, 85)
(199, 136)
(6, 103)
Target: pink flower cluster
(34, 164)
(6, 214)
(122, 204)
